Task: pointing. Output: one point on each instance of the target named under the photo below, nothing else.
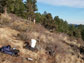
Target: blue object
(8, 50)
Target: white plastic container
(33, 43)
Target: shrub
(20, 26)
(23, 36)
(5, 21)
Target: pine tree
(82, 34)
(19, 7)
(34, 5)
(31, 8)
(3, 5)
(12, 6)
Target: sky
(70, 10)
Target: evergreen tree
(34, 5)
(48, 21)
(19, 7)
(31, 8)
(3, 5)
(82, 34)
(12, 6)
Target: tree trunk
(29, 18)
(5, 10)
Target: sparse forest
(27, 10)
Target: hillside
(51, 47)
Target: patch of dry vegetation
(51, 47)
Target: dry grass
(20, 26)
(51, 46)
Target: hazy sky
(70, 10)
